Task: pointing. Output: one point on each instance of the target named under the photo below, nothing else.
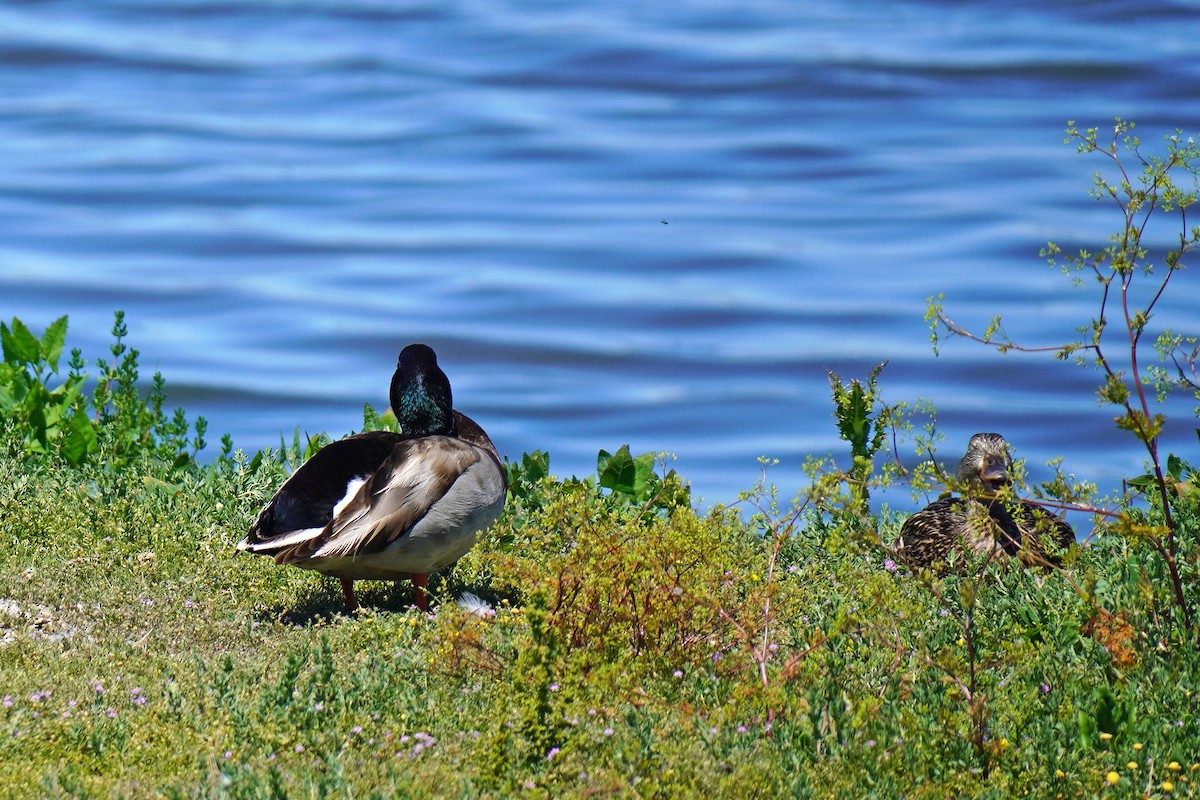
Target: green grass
(637, 650)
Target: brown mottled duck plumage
(982, 522)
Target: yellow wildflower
(1112, 777)
(1137, 745)
(1104, 737)
(1167, 786)
(1174, 766)
(1131, 765)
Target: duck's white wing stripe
(351, 491)
(286, 540)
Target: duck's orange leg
(348, 593)
(420, 583)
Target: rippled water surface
(653, 223)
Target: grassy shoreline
(636, 649)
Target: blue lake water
(652, 223)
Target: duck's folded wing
(311, 497)
(1049, 526)
(928, 535)
(429, 476)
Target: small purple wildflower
(889, 565)
(741, 728)
(8, 701)
(1045, 688)
(112, 713)
(678, 673)
(609, 731)
(554, 687)
(356, 729)
(188, 603)
(299, 748)
(98, 687)
(553, 752)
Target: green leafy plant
(50, 420)
(633, 480)
(530, 470)
(625, 474)
(374, 421)
(863, 426)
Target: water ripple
(653, 223)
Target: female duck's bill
(389, 506)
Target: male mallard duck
(981, 521)
(388, 506)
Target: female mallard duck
(983, 522)
(388, 506)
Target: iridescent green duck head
(420, 393)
